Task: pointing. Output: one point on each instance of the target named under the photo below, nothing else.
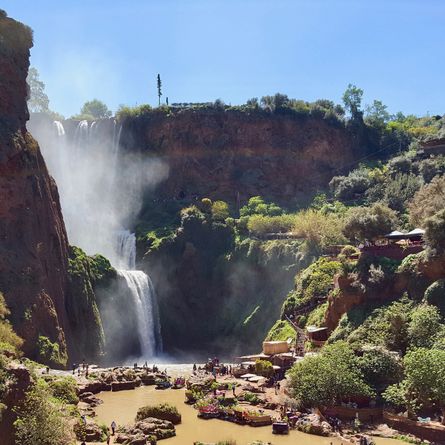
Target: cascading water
(97, 203)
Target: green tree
(95, 108)
(159, 86)
(369, 223)
(425, 321)
(435, 232)
(38, 101)
(352, 99)
(220, 210)
(424, 382)
(328, 378)
(257, 206)
(41, 421)
(377, 114)
(427, 201)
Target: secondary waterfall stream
(100, 191)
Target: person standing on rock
(113, 427)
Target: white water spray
(100, 192)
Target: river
(122, 407)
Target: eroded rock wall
(231, 155)
(33, 241)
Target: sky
(237, 49)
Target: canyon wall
(231, 154)
(33, 241)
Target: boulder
(147, 428)
(121, 386)
(314, 424)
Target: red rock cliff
(219, 153)
(33, 241)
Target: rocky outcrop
(33, 241)
(215, 296)
(145, 430)
(230, 154)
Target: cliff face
(225, 154)
(33, 241)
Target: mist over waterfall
(101, 190)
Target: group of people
(83, 368)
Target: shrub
(264, 368)
(9, 340)
(40, 421)
(425, 321)
(261, 224)
(364, 223)
(220, 210)
(319, 229)
(163, 411)
(328, 378)
(435, 232)
(49, 352)
(400, 190)
(435, 295)
(257, 206)
(427, 201)
(379, 366)
(65, 390)
(348, 187)
(251, 398)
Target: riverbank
(121, 405)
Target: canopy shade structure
(414, 234)
(395, 234)
(257, 378)
(417, 232)
(248, 363)
(248, 376)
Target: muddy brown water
(122, 407)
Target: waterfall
(100, 194)
(59, 128)
(143, 295)
(142, 292)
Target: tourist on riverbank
(113, 427)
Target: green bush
(49, 352)
(64, 389)
(251, 398)
(264, 368)
(328, 378)
(40, 421)
(163, 411)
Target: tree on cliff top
(95, 108)
(38, 101)
(352, 99)
(159, 85)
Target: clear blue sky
(237, 49)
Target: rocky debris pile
(118, 379)
(145, 431)
(313, 424)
